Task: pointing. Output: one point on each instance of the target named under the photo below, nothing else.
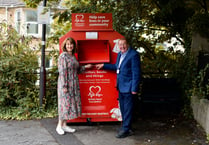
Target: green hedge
(19, 92)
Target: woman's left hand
(88, 66)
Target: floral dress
(69, 103)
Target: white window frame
(31, 22)
(50, 62)
(18, 20)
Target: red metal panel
(93, 51)
(98, 87)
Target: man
(127, 68)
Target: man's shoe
(123, 134)
(131, 132)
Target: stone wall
(200, 109)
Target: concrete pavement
(148, 131)
(25, 133)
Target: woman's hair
(71, 41)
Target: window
(31, 22)
(48, 62)
(17, 20)
(48, 26)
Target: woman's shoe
(59, 130)
(68, 129)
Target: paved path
(166, 131)
(25, 133)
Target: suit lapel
(118, 59)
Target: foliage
(207, 138)
(19, 113)
(18, 64)
(51, 89)
(60, 29)
(200, 84)
(185, 72)
(35, 3)
(18, 76)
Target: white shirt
(123, 55)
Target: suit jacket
(128, 78)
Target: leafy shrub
(19, 92)
(18, 67)
(200, 84)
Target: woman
(69, 102)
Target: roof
(11, 3)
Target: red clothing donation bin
(96, 43)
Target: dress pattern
(69, 104)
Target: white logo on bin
(95, 91)
(79, 18)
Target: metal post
(43, 69)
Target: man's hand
(99, 66)
(134, 93)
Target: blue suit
(128, 80)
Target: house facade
(25, 21)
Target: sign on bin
(89, 21)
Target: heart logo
(95, 91)
(79, 18)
